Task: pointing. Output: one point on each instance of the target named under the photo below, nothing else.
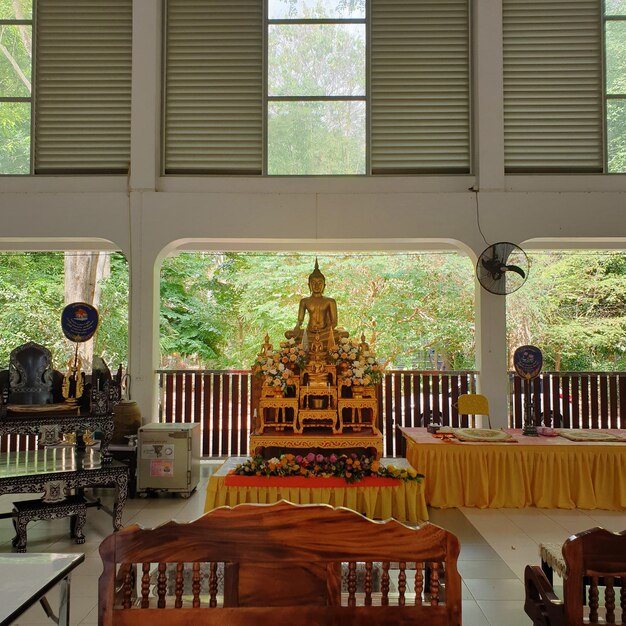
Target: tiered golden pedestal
(318, 412)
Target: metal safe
(168, 458)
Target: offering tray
(59, 407)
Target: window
(316, 87)
(82, 71)
(16, 60)
(615, 84)
(552, 86)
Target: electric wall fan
(502, 268)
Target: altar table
(546, 472)
(402, 500)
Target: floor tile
(504, 612)
(494, 589)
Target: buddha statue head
(317, 280)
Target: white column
(491, 354)
(488, 131)
(143, 311)
(143, 315)
(146, 95)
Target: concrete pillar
(491, 354)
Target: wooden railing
(220, 401)
(407, 398)
(572, 399)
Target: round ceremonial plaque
(79, 321)
(527, 361)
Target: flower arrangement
(292, 354)
(356, 363)
(351, 467)
(277, 367)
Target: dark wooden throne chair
(31, 378)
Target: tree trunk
(83, 272)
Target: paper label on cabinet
(157, 450)
(161, 467)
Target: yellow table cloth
(533, 471)
(404, 502)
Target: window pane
(14, 137)
(316, 138)
(616, 58)
(615, 7)
(15, 61)
(16, 9)
(328, 9)
(316, 60)
(616, 135)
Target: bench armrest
(542, 605)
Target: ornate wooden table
(35, 471)
(34, 424)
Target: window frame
(606, 97)
(30, 99)
(267, 99)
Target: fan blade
(516, 269)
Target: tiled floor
(495, 547)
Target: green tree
(15, 82)
(398, 302)
(32, 299)
(573, 307)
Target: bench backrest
(596, 557)
(281, 563)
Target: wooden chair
(473, 404)
(596, 557)
(280, 564)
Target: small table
(26, 578)
(33, 471)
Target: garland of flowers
(351, 467)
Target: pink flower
(332, 458)
(319, 458)
(310, 457)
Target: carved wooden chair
(595, 557)
(280, 564)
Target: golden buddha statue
(322, 312)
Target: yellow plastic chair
(473, 404)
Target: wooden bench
(595, 558)
(280, 564)
(25, 511)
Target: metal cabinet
(168, 458)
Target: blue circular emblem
(79, 321)
(527, 361)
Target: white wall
(145, 216)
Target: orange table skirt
(375, 498)
(537, 472)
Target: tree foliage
(574, 308)
(32, 299)
(402, 304)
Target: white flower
(274, 460)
